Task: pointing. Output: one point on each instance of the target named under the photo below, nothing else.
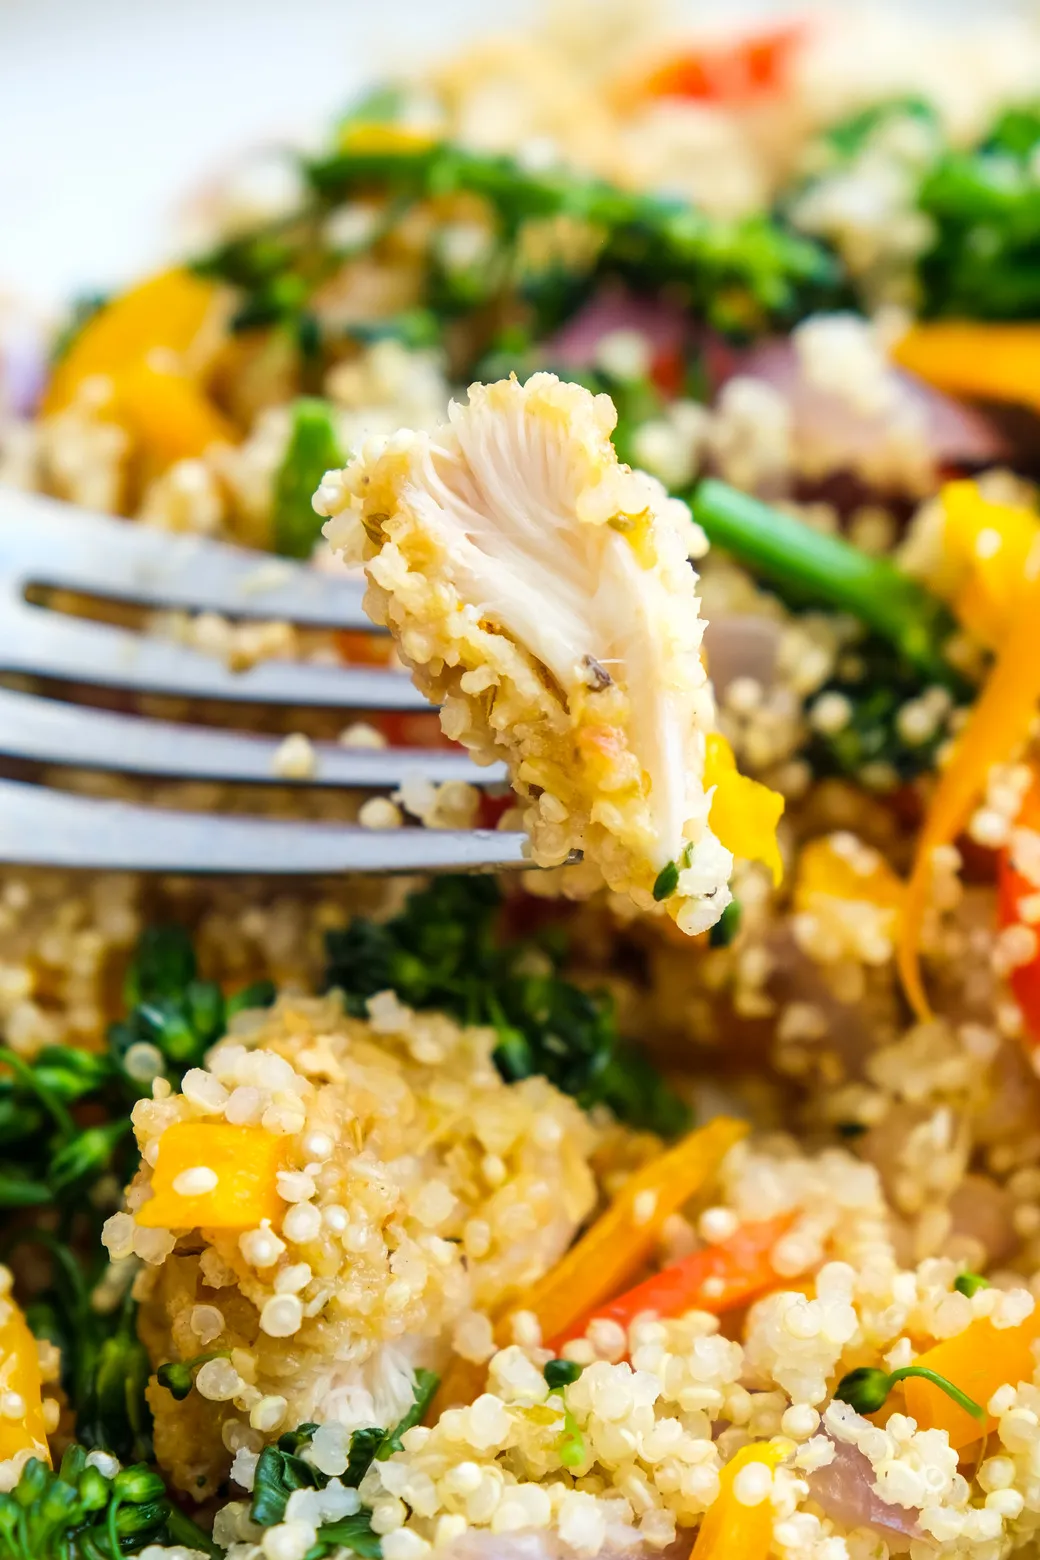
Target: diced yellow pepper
(20, 1374)
(245, 1161)
(731, 1530)
(744, 813)
(836, 866)
(988, 544)
(978, 1360)
(167, 414)
(993, 362)
(166, 311)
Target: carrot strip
(717, 1279)
(999, 721)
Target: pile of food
(680, 1195)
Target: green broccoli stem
(832, 572)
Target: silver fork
(49, 544)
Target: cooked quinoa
(676, 396)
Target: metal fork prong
(50, 644)
(52, 732)
(45, 542)
(40, 827)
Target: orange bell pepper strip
(20, 1374)
(168, 416)
(998, 723)
(612, 1250)
(166, 311)
(978, 1361)
(716, 1279)
(245, 1161)
(1012, 888)
(731, 1530)
(990, 362)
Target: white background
(111, 110)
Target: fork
(49, 544)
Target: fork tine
(39, 827)
(46, 542)
(50, 644)
(52, 732)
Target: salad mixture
(680, 1195)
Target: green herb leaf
(970, 1283)
(666, 881)
(726, 927)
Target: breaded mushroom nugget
(542, 594)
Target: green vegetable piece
(313, 449)
(426, 1384)
(572, 1442)
(867, 1388)
(726, 927)
(830, 571)
(278, 1473)
(970, 1283)
(364, 1445)
(178, 1376)
(667, 881)
(560, 1373)
(162, 965)
(353, 1533)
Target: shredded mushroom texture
(542, 594)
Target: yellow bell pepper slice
(998, 723)
(978, 1361)
(245, 1161)
(993, 362)
(744, 813)
(167, 415)
(731, 1530)
(989, 545)
(826, 870)
(20, 1374)
(168, 311)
